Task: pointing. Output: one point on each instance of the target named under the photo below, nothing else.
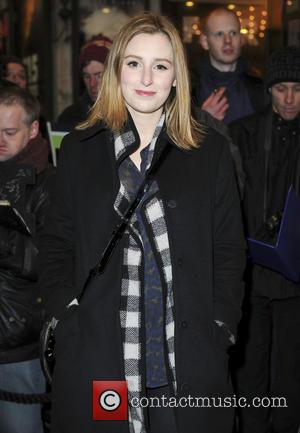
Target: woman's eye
(161, 67)
(132, 64)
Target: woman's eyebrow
(156, 59)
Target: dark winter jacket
(74, 114)
(23, 182)
(249, 134)
(207, 119)
(246, 93)
(203, 219)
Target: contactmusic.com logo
(110, 400)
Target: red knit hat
(95, 49)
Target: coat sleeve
(56, 259)
(229, 245)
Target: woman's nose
(147, 76)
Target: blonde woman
(162, 314)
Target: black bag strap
(121, 226)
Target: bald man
(224, 88)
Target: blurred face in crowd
(16, 73)
(15, 132)
(91, 75)
(147, 73)
(286, 100)
(222, 39)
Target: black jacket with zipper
(21, 312)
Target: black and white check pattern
(131, 290)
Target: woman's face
(147, 73)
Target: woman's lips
(144, 93)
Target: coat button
(172, 204)
(184, 324)
(185, 387)
(179, 263)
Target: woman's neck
(145, 125)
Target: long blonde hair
(110, 106)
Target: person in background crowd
(224, 88)
(268, 355)
(14, 70)
(164, 312)
(5, 83)
(24, 173)
(91, 59)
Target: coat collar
(163, 140)
(85, 134)
(250, 122)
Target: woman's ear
(174, 83)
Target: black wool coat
(202, 213)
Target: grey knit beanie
(283, 66)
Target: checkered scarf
(132, 277)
